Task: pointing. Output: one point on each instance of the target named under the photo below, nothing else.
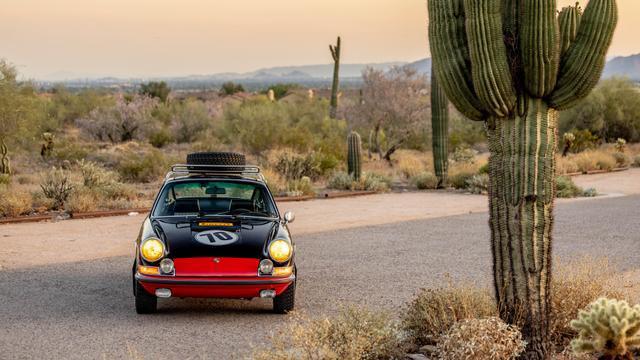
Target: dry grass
(480, 339)
(460, 173)
(575, 285)
(354, 334)
(604, 158)
(411, 163)
(275, 181)
(433, 311)
(14, 202)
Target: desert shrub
(622, 160)
(56, 185)
(5, 179)
(609, 328)
(478, 184)
(606, 162)
(574, 286)
(145, 167)
(409, 164)
(294, 166)
(340, 180)
(374, 182)
(425, 180)
(94, 175)
(190, 121)
(480, 339)
(464, 155)
(636, 161)
(433, 311)
(230, 88)
(566, 188)
(566, 165)
(71, 150)
(126, 120)
(277, 185)
(355, 334)
(160, 138)
(484, 169)
(14, 203)
(465, 133)
(459, 173)
(82, 200)
(302, 186)
(584, 140)
(156, 89)
(594, 160)
(280, 90)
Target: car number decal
(216, 237)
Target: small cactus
(354, 165)
(609, 328)
(47, 144)
(335, 54)
(5, 164)
(569, 138)
(271, 95)
(621, 145)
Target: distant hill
(627, 66)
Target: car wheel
(145, 302)
(285, 302)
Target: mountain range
(628, 66)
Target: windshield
(205, 197)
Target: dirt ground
(29, 245)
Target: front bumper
(214, 287)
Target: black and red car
(214, 231)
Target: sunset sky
(46, 38)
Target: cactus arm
(450, 53)
(490, 69)
(583, 63)
(440, 130)
(539, 47)
(335, 54)
(569, 20)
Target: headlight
(152, 249)
(280, 251)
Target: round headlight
(166, 266)
(280, 251)
(152, 249)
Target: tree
(395, 104)
(230, 88)
(154, 89)
(513, 64)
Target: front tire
(145, 302)
(284, 303)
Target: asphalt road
(85, 310)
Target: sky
(49, 39)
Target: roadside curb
(107, 213)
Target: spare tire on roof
(216, 158)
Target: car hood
(247, 238)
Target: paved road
(85, 309)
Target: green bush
(294, 166)
(230, 88)
(160, 138)
(5, 179)
(155, 89)
(57, 187)
(425, 180)
(566, 188)
(375, 182)
(299, 187)
(340, 180)
(190, 121)
(464, 155)
(622, 160)
(478, 184)
(143, 168)
(280, 90)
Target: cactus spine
(5, 165)
(513, 64)
(440, 131)
(354, 165)
(335, 54)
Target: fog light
(268, 293)
(166, 266)
(163, 293)
(266, 267)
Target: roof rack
(244, 171)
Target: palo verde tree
(335, 54)
(439, 131)
(514, 64)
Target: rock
(134, 213)
(428, 350)
(416, 357)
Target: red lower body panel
(216, 278)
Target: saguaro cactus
(440, 131)
(354, 146)
(5, 165)
(335, 53)
(501, 62)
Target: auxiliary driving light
(266, 267)
(163, 293)
(269, 293)
(166, 266)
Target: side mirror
(289, 217)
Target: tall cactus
(507, 63)
(440, 131)
(5, 165)
(354, 146)
(335, 53)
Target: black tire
(285, 302)
(216, 158)
(145, 302)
